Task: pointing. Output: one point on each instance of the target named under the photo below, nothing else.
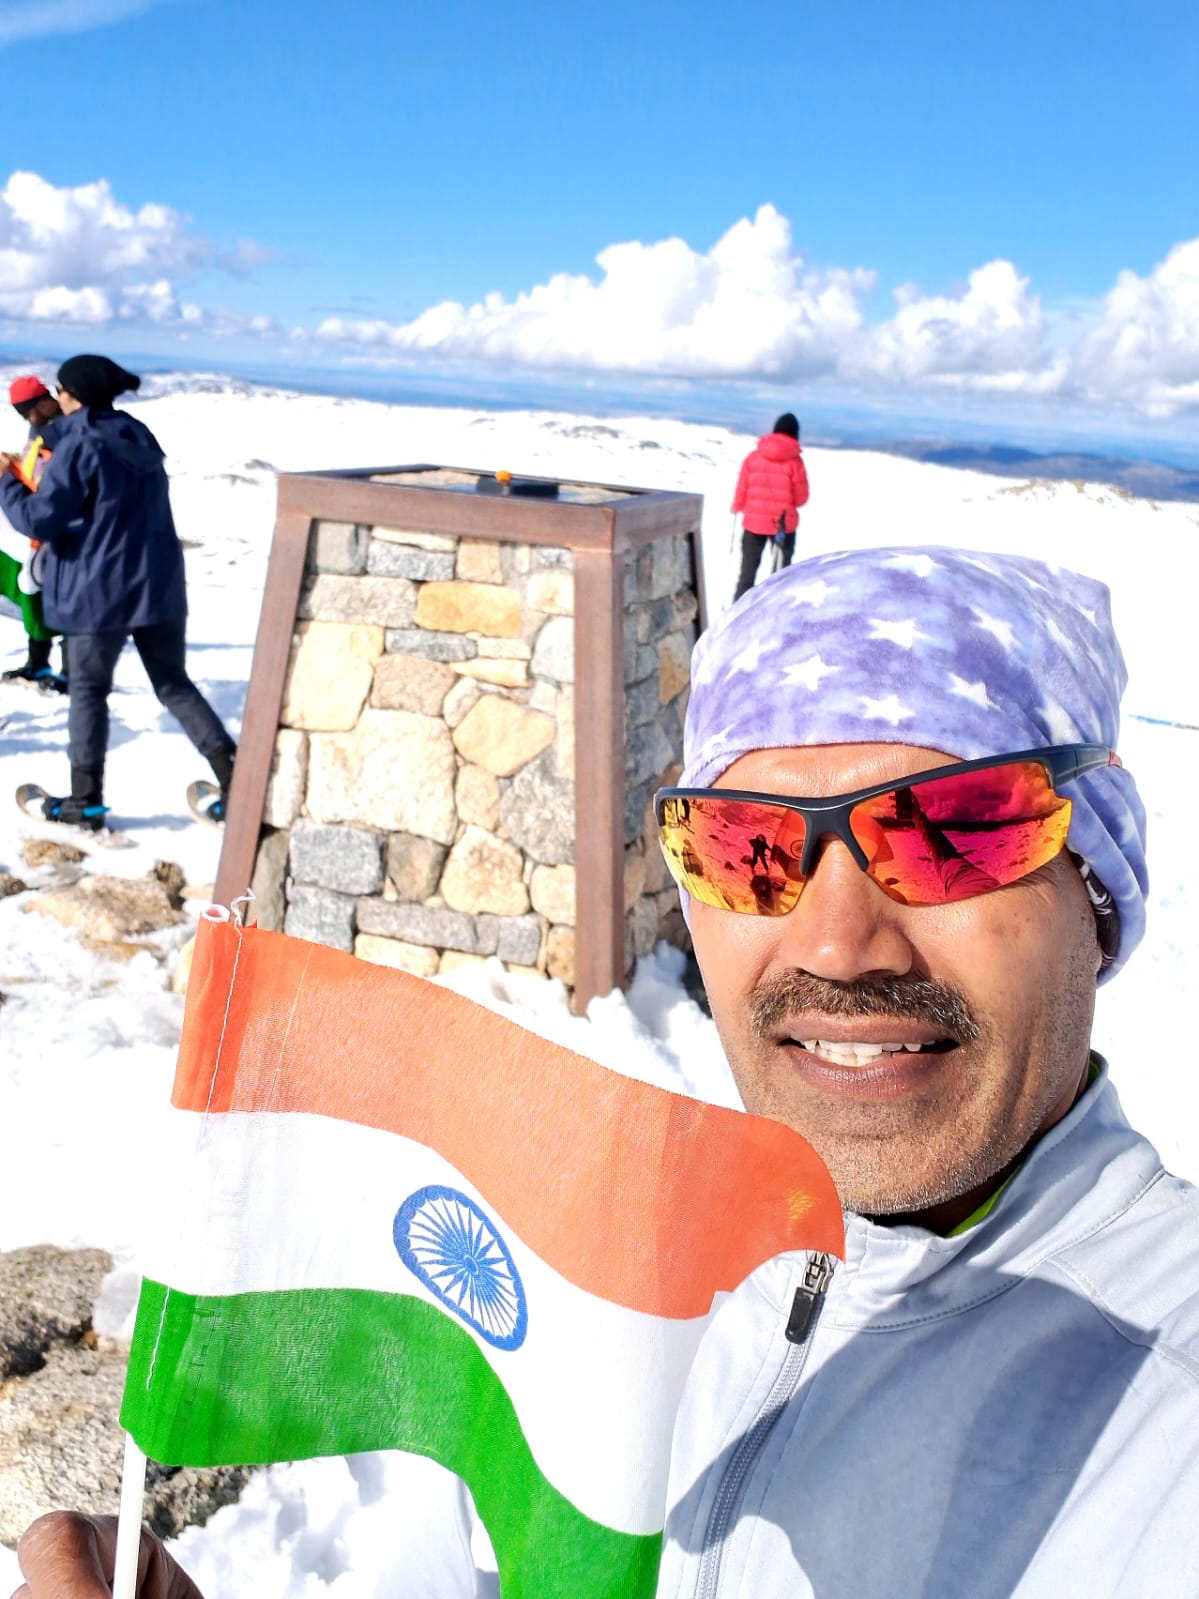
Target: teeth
(853, 1054)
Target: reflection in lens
(741, 855)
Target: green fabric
(245, 1379)
(30, 605)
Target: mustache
(919, 999)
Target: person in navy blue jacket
(112, 567)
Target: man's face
(995, 993)
(41, 410)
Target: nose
(844, 927)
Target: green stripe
(246, 1379)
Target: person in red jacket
(770, 490)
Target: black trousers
(163, 651)
(752, 545)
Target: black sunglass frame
(830, 813)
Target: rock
(560, 954)
(552, 892)
(410, 683)
(173, 880)
(414, 865)
(417, 958)
(346, 859)
(483, 873)
(330, 673)
(320, 916)
(183, 967)
(502, 736)
(434, 646)
(477, 796)
(552, 591)
(634, 877)
(479, 561)
(108, 909)
(417, 541)
(49, 852)
(46, 1297)
(674, 666)
(554, 652)
(462, 698)
(538, 812)
(270, 872)
(394, 771)
(518, 938)
(61, 1448)
(387, 600)
(436, 926)
(506, 674)
(338, 547)
(11, 885)
(288, 779)
(469, 608)
(388, 559)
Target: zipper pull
(809, 1297)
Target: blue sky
(976, 207)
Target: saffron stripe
(700, 1194)
(253, 1378)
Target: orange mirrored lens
(958, 836)
(740, 855)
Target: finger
(67, 1556)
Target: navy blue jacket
(112, 558)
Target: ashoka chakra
(454, 1248)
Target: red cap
(22, 390)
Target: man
(113, 570)
(33, 402)
(772, 486)
(996, 1396)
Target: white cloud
(748, 307)
(1146, 347)
(34, 19)
(80, 256)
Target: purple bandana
(969, 653)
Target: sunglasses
(937, 837)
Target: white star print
(747, 660)
(1058, 723)
(904, 634)
(811, 593)
(997, 626)
(1056, 634)
(806, 674)
(919, 565)
(891, 709)
(975, 692)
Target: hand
(9, 462)
(69, 1556)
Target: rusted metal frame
(622, 489)
(264, 696)
(482, 516)
(599, 774)
(647, 518)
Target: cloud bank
(79, 257)
(35, 19)
(749, 308)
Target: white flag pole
(129, 1521)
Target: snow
(89, 1043)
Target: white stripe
(303, 1201)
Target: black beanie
(786, 424)
(95, 380)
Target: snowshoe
(67, 813)
(207, 802)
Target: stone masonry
(421, 805)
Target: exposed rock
(411, 683)
(38, 852)
(552, 591)
(338, 547)
(394, 771)
(518, 940)
(108, 909)
(436, 926)
(502, 736)
(479, 561)
(330, 673)
(415, 540)
(560, 954)
(288, 778)
(270, 871)
(554, 652)
(484, 874)
(417, 958)
(538, 812)
(674, 666)
(11, 885)
(477, 796)
(506, 674)
(634, 876)
(387, 600)
(320, 915)
(46, 1297)
(552, 892)
(469, 608)
(414, 865)
(464, 695)
(434, 646)
(388, 559)
(173, 879)
(346, 859)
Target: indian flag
(410, 1224)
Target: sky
(977, 211)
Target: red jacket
(772, 483)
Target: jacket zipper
(801, 1323)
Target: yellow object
(503, 477)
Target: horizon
(939, 217)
